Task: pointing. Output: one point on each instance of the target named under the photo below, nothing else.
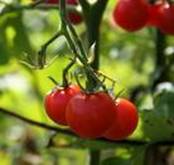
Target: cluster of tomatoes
(91, 115)
(133, 15)
(74, 17)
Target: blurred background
(126, 57)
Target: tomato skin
(154, 10)
(126, 120)
(131, 15)
(52, 1)
(56, 102)
(90, 115)
(166, 19)
(75, 18)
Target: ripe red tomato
(56, 102)
(154, 14)
(90, 115)
(166, 18)
(131, 15)
(126, 119)
(75, 18)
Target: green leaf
(158, 123)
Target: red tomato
(166, 19)
(52, 1)
(90, 115)
(126, 119)
(154, 14)
(56, 102)
(72, 2)
(74, 18)
(131, 15)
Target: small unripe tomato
(57, 100)
(90, 115)
(125, 122)
(131, 15)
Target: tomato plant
(126, 119)
(72, 54)
(131, 15)
(57, 100)
(73, 16)
(90, 115)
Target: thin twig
(42, 51)
(65, 72)
(35, 123)
(11, 8)
(68, 132)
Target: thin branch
(42, 52)
(11, 8)
(68, 132)
(35, 123)
(65, 72)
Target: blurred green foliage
(127, 57)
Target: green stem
(85, 6)
(65, 71)
(94, 157)
(42, 51)
(160, 74)
(76, 44)
(93, 21)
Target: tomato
(52, 1)
(74, 17)
(56, 102)
(90, 115)
(154, 14)
(131, 15)
(166, 19)
(72, 2)
(126, 119)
